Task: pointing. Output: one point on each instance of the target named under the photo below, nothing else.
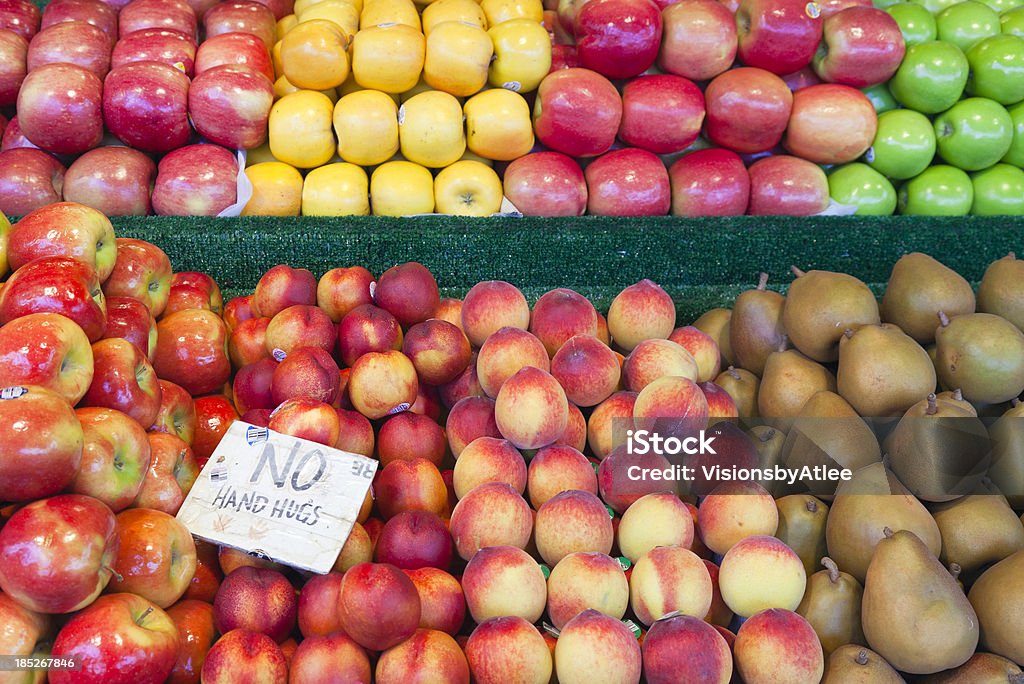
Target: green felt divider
(702, 263)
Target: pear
(978, 529)
(742, 386)
(871, 500)
(802, 520)
(715, 323)
(982, 354)
(852, 664)
(1007, 438)
(956, 398)
(1001, 291)
(939, 450)
(913, 612)
(998, 597)
(919, 288)
(820, 306)
(768, 442)
(790, 379)
(883, 371)
(831, 604)
(982, 668)
(755, 329)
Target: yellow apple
(341, 12)
(522, 55)
(314, 55)
(259, 155)
(275, 58)
(420, 87)
(498, 124)
(498, 11)
(452, 10)
(401, 188)
(457, 59)
(430, 130)
(302, 5)
(388, 58)
(390, 12)
(282, 87)
(286, 24)
(366, 123)
(339, 189)
(300, 129)
(276, 190)
(467, 188)
(5, 231)
(468, 154)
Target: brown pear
(870, 501)
(982, 668)
(998, 598)
(919, 288)
(1001, 291)
(914, 613)
(852, 664)
(978, 529)
(956, 398)
(883, 371)
(790, 379)
(802, 520)
(742, 386)
(820, 306)
(768, 442)
(982, 354)
(831, 604)
(1007, 439)
(715, 323)
(755, 329)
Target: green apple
(974, 133)
(997, 69)
(885, 4)
(965, 23)
(1003, 5)
(904, 144)
(1012, 22)
(862, 186)
(880, 97)
(916, 23)
(1016, 154)
(931, 77)
(935, 6)
(998, 191)
(939, 190)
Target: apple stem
(833, 569)
(955, 570)
(943, 319)
(762, 281)
(145, 614)
(862, 657)
(118, 576)
(812, 506)
(887, 531)
(797, 272)
(933, 405)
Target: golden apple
(457, 59)
(498, 11)
(282, 87)
(390, 12)
(430, 130)
(275, 58)
(339, 189)
(259, 155)
(366, 124)
(476, 157)
(420, 87)
(498, 125)
(441, 11)
(302, 5)
(522, 55)
(341, 12)
(300, 129)
(401, 188)
(388, 58)
(314, 55)
(276, 190)
(286, 24)
(467, 188)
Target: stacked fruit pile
(506, 538)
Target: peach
(357, 549)
(367, 328)
(342, 289)
(443, 605)
(242, 656)
(575, 434)
(556, 469)
(671, 407)
(318, 605)
(560, 314)
(621, 484)
(570, 522)
(594, 647)
(488, 459)
(414, 485)
(508, 649)
(280, 287)
(450, 310)
(248, 342)
(587, 369)
(237, 310)
(334, 653)
(427, 656)
(252, 386)
(504, 353)
(719, 613)
(653, 359)
(382, 383)
(721, 405)
(502, 581)
(734, 511)
(606, 428)
(409, 292)
(642, 311)
(307, 419)
(686, 649)
(654, 520)
(667, 579)
(414, 539)
(308, 372)
(258, 599)
(470, 418)
(761, 572)
(300, 325)
(531, 409)
(778, 645)
(603, 333)
(492, 514)
(585, 580)
(409, 435)
(428, 402)
(230, 559)
(702, 348)
(438, 350)
(466, 384)
(490, 306)
(378, 605)
(373, 527)
(355, 434)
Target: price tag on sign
(289, 499)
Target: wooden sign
(288, 499)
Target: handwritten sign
(288, 499)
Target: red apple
(242, 16)
(235, 48)
(60, 108)
(245, 657)
(161, 14)
(57, 285)
(778, 35)
(129, 319)
(20, 16)
(48, 350)
(29, 179)
(804, 78)
(546, 184)
(172, 472)
(747, 109)
(124, 380)
(577, 111)
(661, 113)
(145, 104)
(564, 57)
(64, 229)
(15, 138)
(788, 186)
(258, 599)
(194, 290)
(156, 556)
(862, 46)
(13, 65)
(236, 310)
(23, 628)
(168, 46)
(73, 42)
(830, 124)
(113, 180)
(177, 414)
(699, 39)
(280, 8)
(194, 620)
(628, 182)
(711, 182)
(115, 457)
(214, 415)
(142, 271)
(618, 38)
(197, 180)
(95, 12)
(230, 104)
(191, 351)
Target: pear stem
(797, 272)
(861, 658)
(783, 343)
(943, 319)
(958, 394)
(933, 405)
(768, 435)
(1015, 402)
(762, 281)
(1015, 678)
(812, 507)
(1011, 255)
(733, 374)
(848, 333)
(955, 570)
(833, 569)
(887, 531)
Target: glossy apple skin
(698, 40)
(214, 415)
(618, 38)
(55, 553)
(177, 415)
(156, 556)
(164, 14)
(546, 184)
(747, 110)
(191, 351)
(48, 350)
(20, 16)
(661, 113)
(861, 47)
(577, 112)
(129, 319)
(628, 182)
(230, 105)
(58, 285)
(145, 104)
(124, 380)
(860, 185)
(197, 180)
(939, 190)
(194, 620)
(115, 457)
(60, 108)
(14, 67)
(780, 36)
(141, 271)
(15, 138)
(172, 472)
(114, 180)
(787, 186)
(64, 229)
(830, 124)
(931, 77)
(167, 46)
(235, 48)
(711, 182)
(95, 12)
(29, 179)
(242, 16)
(74, 43)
